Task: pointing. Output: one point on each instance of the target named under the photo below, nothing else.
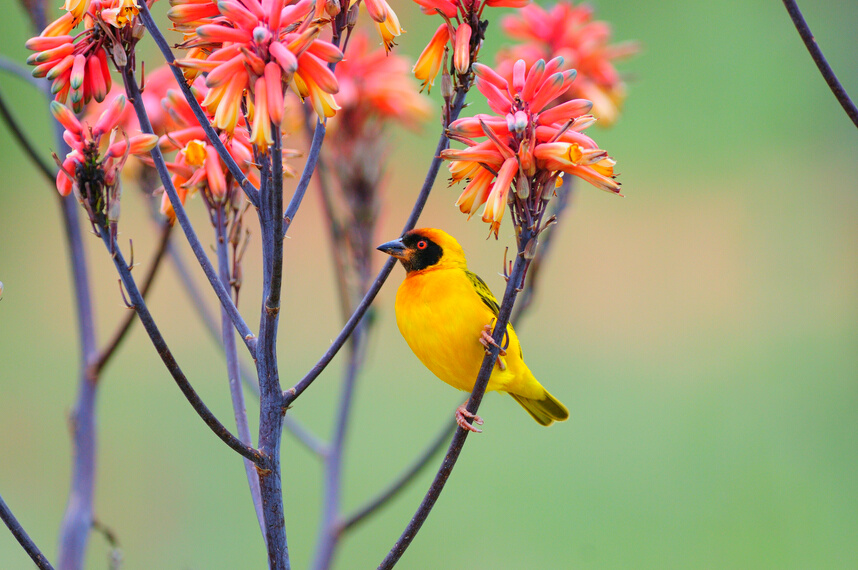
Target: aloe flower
(252, 51)
(570, 31)
(528, 144)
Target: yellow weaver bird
(445, 313)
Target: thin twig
(306, 175)
(119, 335)
(232, 365)
(133, 93)
(512, 289)
(169, 361)
(400, 482)
(250, 190)
(291, 394)
(43, 167)
(821, 63)
(22, 537)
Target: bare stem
(133, 92)
(271, 410)
(821, 63)
(22, 537)
(232, 365)
(290, 395)
(249, 189)
(516, 278)
(139, 305)
(306, 175)
(122, 330)
(400, 482)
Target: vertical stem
(271, 411)
(512, 289)
(232, 365)
(77, 520)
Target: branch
(306, 175)
(819, 59)
(110, 349)
(512, 288)
(163, 350)
(49, 172)
(22, 537)
(133, 92)
(400, 482)
(232, 366)
(249, 189)
(290, 395)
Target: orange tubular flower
(429, 62)
(528, 143)
(569, 31)
(258, 49)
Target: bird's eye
(421, 244)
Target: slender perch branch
(22, 537)
(821, 63)
(516, 278)
(163, 350)
(306, 176)
(249, 189)
(133, 92)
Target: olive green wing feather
(484, 292)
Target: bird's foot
(462, 417)
(486, 340)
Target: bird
(445, 313)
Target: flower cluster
(78, 64)
(528, 145)
(197, 166)
(98, 152)
(461, 30)
(569, 31)
(252, 51)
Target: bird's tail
(545, 410)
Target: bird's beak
(395, 248)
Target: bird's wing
(484, 292)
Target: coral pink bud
(77, 72)
(449, 9)
(214, 173)
(138, 144)
(312, 67)
(507, 3)
(489, 75)
(110, 116)
(64, 184)
(565, 111)
(326, 51)
(61, 26)
(225, 71)
(43, 43)
(63, 66)
(66, 118)
(377, 9)
(217, 33)
(287, 60)
(56, 53)
(534, 80)
(462, 49)
(276, 11)
(99, 83)
(429, 62)
(234, 12)
(187, 13)
(274, 85)
(518, 75)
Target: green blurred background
(702, 331)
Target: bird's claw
(486, 340)
(462, 417)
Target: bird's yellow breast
(441, 316)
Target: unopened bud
(522, 186)
(446, 83)
(353, 16)
(530, 248)
(332, 7)
(119, 56)
(138, 30)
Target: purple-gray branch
(22, 537)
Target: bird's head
(426, 248)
